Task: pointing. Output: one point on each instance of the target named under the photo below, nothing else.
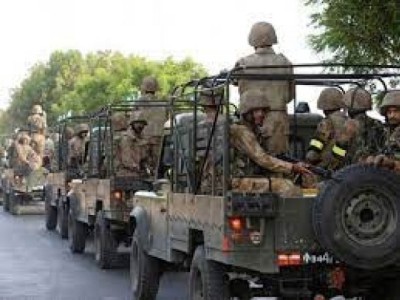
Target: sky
(212, 32)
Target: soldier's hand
(301, 168)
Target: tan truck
(101, 202)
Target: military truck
(58, 180)
(342, 240)
(102, 201)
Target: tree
(357, 31)
(70, 81)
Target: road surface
(37, 264)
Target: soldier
(37, 126)
(250, 159)
(155, 116)
(27, 159)
(49, 152)
(119, 126)
(210, 99)
(331, 102)
(390, 109)
(76, 147)
(11, 151)
(132, 151)
(275, 130)
(361, 135)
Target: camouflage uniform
(275, 130)
(76, 147)
(37, 126)
(155, 116)
(119, 126)
(12, 152)
(390, 158)
(132, 151)
(27, 160)
(319, 151)
(361, 135)
(249, 159)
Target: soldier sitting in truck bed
(76, 148)
(251, 160)
(390, 109)
(131, 149)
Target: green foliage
(69, 81)
(357, 31)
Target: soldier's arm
(245, 141)
(343, 142)
(319, 142)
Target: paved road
(37, 264)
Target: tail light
(289, 259)
(118, 195)
(237, 224)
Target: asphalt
(37, 264)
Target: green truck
(340, 239)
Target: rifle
(322, 172)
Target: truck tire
(62, 219)
(51, 212)
(105, 243)
(356, 217)
(6, 202)
(76, 234)
(207, 278)
(144, 272)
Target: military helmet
(37, 109)
(262, 34)
(330, 99)
(149, 84)
(119, 121)
(392, 98)
(358, 99)
(82, 128)
(137, 116)
(211, 95)
(252, 99)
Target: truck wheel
(356, 217)
(51, 213)
(63, 219)
(76, 234)
(105, 244)
(207, 278)
(6, 202)
(144, 272)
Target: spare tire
(356, 217)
